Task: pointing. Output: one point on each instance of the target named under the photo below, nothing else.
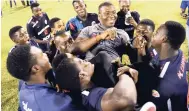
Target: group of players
(83, 70)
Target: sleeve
(31, 31)
(72, 27)
(94, 99)
(183, 4)
(84, 33)
(67, 26)
(136, 16)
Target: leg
(14, 2)
(11, 3)
(27, 1)
(105, 73)
(23, 2)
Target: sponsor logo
(155, 94)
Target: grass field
(158, 11)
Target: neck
(40, 79)
(166, 52)
(24, 43)
(105, 27)
(84, 18)
(89, 85)
(149, 45)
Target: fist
(139, 42)
(109, 34)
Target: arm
(84, 44)
(122, 96)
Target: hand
(133, 72)
(132, 21)
(122, 70)
(139, 42)
(109, 34)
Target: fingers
(139, 42)
(134, 74)
(122, 70)
(111, 33)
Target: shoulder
(122, 34)
(73, 19)
(135, 13)
(89, 28)
(30, 20)
(12, 49)
(121, 14)
(93, 14)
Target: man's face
(158, 37)
(21, 37)
(41, 58)
(86, 69)
(144, 31)
(58, 26)
(63, 42)
(107, 16)
(124, 5)
(37, 11)
(80, 8)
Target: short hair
(19, 62)
(104, 4)
(125, 0)
(76, 1)
(13, 30)
(66, 73)
(175, 33)
(67, 77)
(52, 21)
(34, 5)
(147, 22)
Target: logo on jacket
(155, 94)
(45, 21)
(25, 106)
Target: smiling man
(83, 19)
(38, 27)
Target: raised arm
(82, 45)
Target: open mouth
(145, 37)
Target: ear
(164, 39)
(35, 69)
(15, 41)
